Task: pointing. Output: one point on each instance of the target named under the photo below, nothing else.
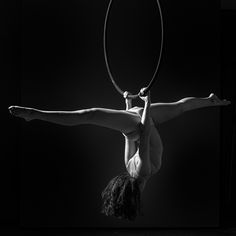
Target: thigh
(119, 120)
(161, 112)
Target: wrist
(147, 103)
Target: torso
(156, 149)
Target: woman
(143, 145)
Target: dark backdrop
(228, 128)
(53, 60)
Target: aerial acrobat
(143, 144)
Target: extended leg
(119, 120)
(162, 112)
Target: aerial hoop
(153, 79)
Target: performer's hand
(126, 94)
(146, 98)
(128, 100)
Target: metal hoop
(154, 77)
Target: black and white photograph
(118, 117)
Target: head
(122, 197)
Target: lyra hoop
(154, 77)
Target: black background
(53, 60)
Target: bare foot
(215, 101)
(22, 112)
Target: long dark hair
(122, 197)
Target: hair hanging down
(122, 197)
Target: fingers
(142, 92)
(126, 94)
(145, 97)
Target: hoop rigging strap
(154, 77)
